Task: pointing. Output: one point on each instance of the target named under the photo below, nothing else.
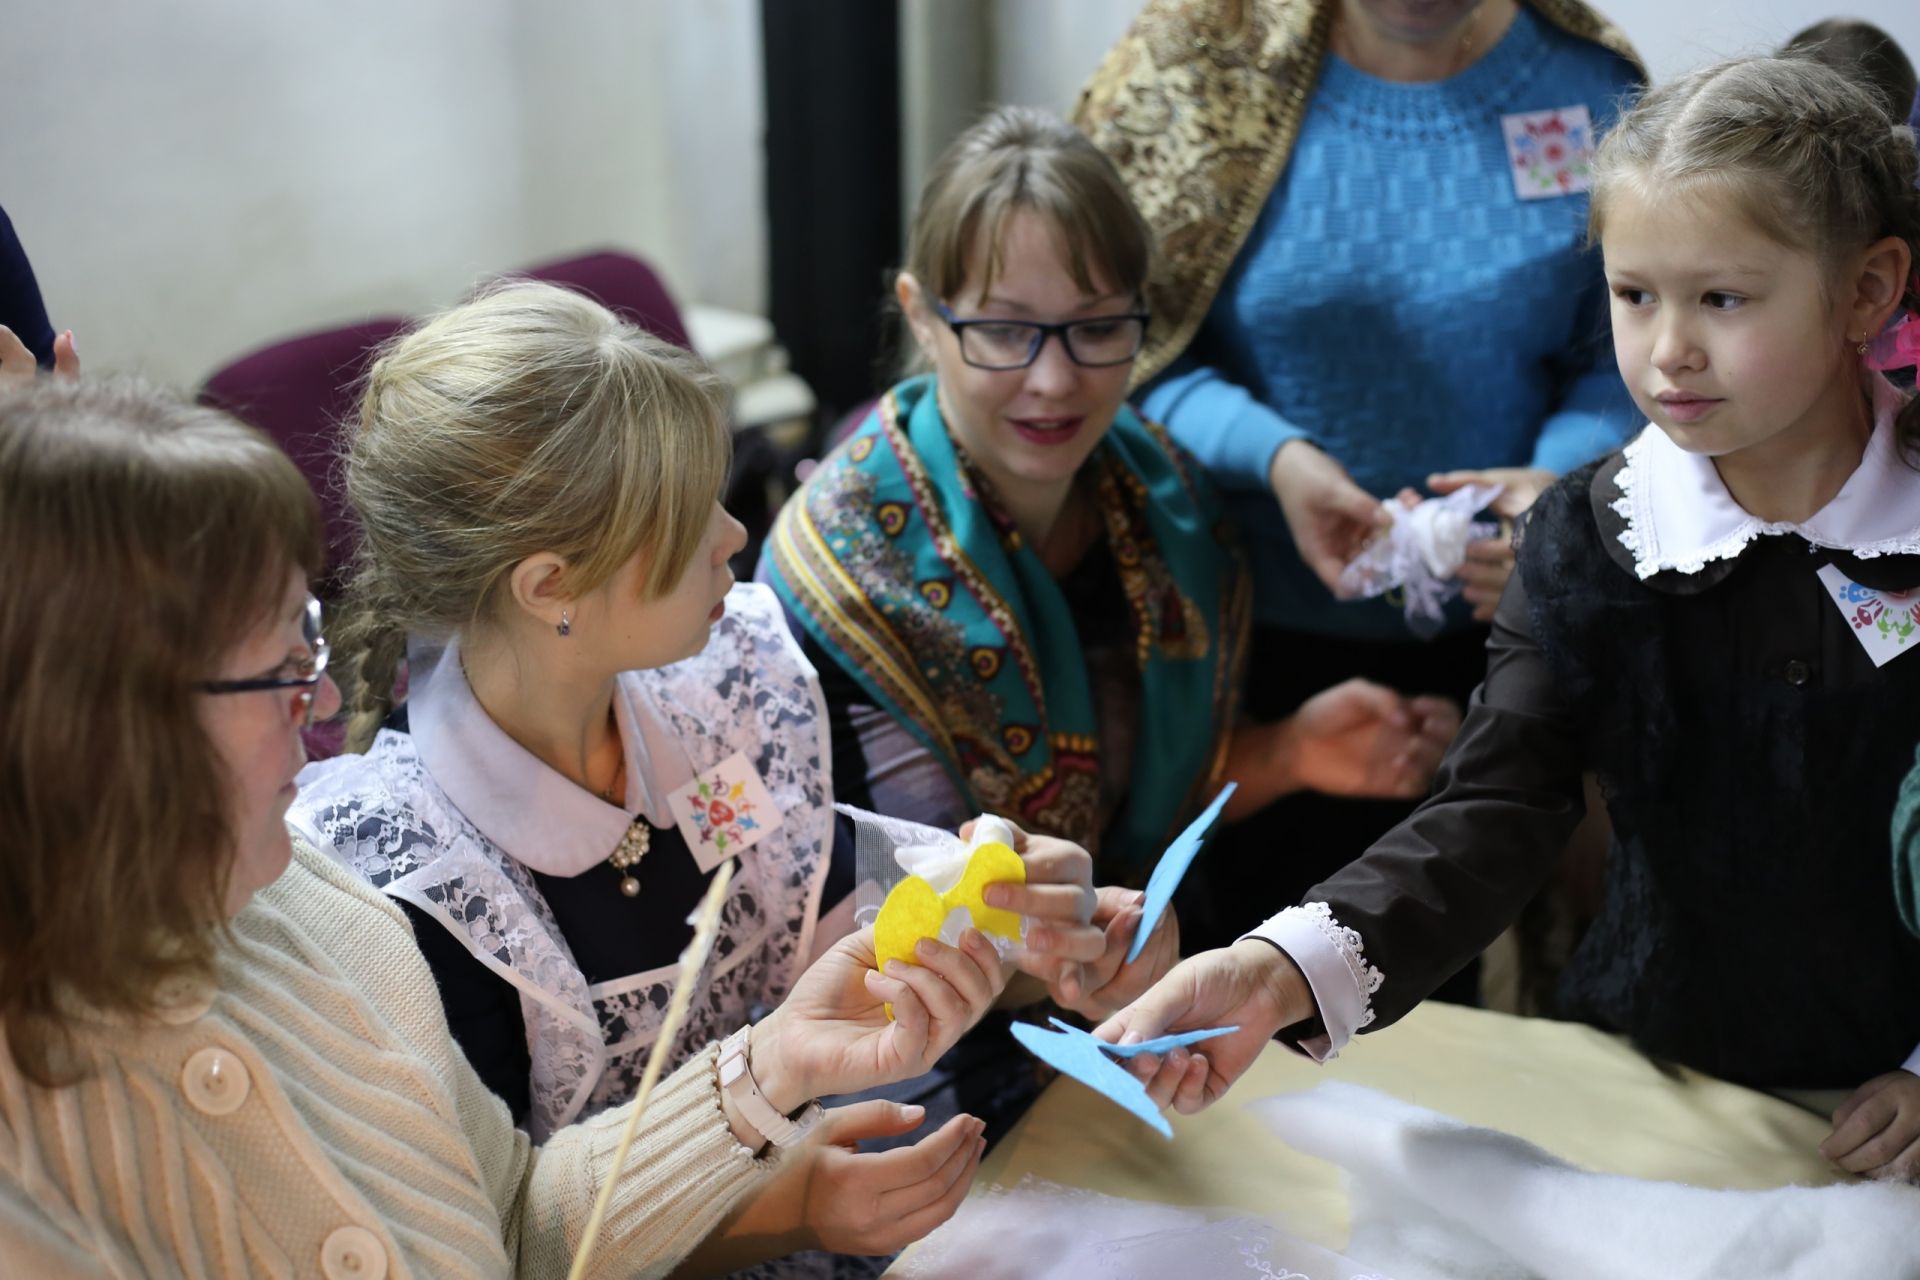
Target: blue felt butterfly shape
(1094, 1062)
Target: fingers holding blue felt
(1157, 1045)
(1076, 1054)
(1097, 1064)
(1172, 868)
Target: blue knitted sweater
(1398, 304)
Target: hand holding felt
(1063, 941)
(914, 909)
(1252, 984)
(1109, 982)
(833, 1034)
(1074, 1052)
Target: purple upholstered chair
(623, 284)
(299, 392)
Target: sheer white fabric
(1040, 1230)
(1433, 1198)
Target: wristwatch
(736, 1077)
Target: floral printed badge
(724, 810)
(1550, 152)
(1884, 622)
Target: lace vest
(748, 690)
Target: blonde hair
(527, 419)
(1808, 156)
(142, 539)
(1019, 158)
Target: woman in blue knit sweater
(1372, 215)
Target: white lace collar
(540, 818)
(1679, 515)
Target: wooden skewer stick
(691, 962)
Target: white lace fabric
(1678, 515)
(1333, 959)
(749, 690)
(1352, 951)
(1420, 555)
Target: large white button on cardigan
(311, 1115)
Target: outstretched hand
(1363, 739)
(829, 1194)
(877, 1202)
(1331, 518)
(1251, 984)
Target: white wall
(1673, 37)
(197, 177)
(1045, 49)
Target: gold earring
(1862, 348)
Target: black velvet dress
(1750, 752)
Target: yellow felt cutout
(914, 911)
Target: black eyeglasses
(305, 674)
(1096, 343)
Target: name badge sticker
(1550, 153)
(1884, 622)
(725, 810)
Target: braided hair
(527, 419)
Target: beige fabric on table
(310, 1115)
(1583, 1095)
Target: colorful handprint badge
(1884, 622)
(1550, 153)
(725, 809)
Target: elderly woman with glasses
(221, 1052)
(1018, 592)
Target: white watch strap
(736, 1077)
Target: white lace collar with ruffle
(1679, 515)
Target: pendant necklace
(634, 843)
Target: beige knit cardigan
(309, 1115)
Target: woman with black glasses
(1019, 593)
(222, 1052)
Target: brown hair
(527, 419)
(1807, 155)
(1017, 158)
(1864, 53)
(142, 538)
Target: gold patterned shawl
(1198, 107)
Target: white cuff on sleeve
(1913, 1061)
(1331, 958)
